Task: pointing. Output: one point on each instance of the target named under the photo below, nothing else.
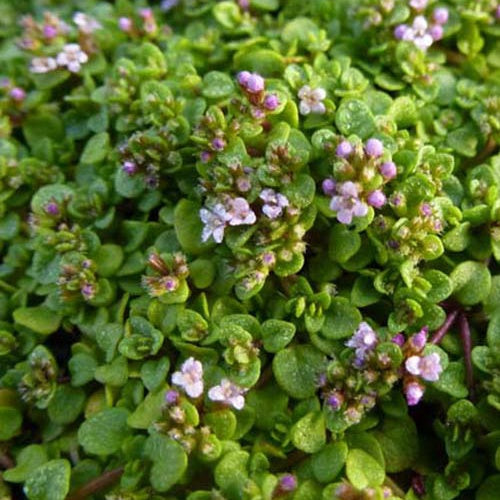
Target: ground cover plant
(249, 249)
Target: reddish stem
(467, 346)
(5, 461)
(99, 483)
(443, 329)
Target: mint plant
(250, 249)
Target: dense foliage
(250, 249)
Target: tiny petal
(436, 32)
(413, 392)
(344, 149)
(376, 199)
(374, 148)
(440, 15)
(388, 170)
(328, 187)
(412, 365)
(271, 102)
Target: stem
(265, 377)
(394, 487)
(102, 482)
(5, 461)
(7, 287)
(443, 329)
(467, 345)
(485, 153)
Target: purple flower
(166, 5)
(171, 397)
(251, 82)
(428, 367)
(51, 208)
(376, 199)
(274, 203)
(129, 167)
(288, 482)
(170, 283)
(413, 392)
(268, 259)
(271, 102)
(398, 339)
(335, 400)
(363, 341)
(17, 93)
(205, 156)
(388, 170)
(88, 291)
(344, 149)
(440, 15)
(240, 213)
(125, 24)
(228, 393)
(49, 31)
(347, 203)
(218, 143)
(400, 31)
(374, 148)
(436, 32)
(425, 209)
(328, 186)
(190, 377)
(419, 340)
(214, 220)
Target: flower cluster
(421, 33)
(145, 24)
(71, 57)
(360, 173)
(417, 366)
(253, 86)
(170, 273)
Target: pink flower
(347, 203)
(240, 213)
(413, 392)
(190, 377)
(311, 100)
(274, 203)
(215, 220)
(374, 148)
(228, 393)
(428, 367)
(344, 149)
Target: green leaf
(328, 463)
(169, 461)
(188, 227)
(50, 481)
(40, 319)
(96, 149)
(309, 433)
(222, 423)
(9, 226)
(489, 488)
(104, 432)
(301, 191)
(108, 259)
(11, 420)
(355, 117)
(217, 85)
(341, 319)
(66, 404)
(230, 473)
(107, 338)
(471, 282)
(148, 411)
(264, 61)
(452, 380)
(154, 372)
(297, 369)
(362, 470)
(29, 458)
(82, 367)
(277, 334)
(399, 442)
(343, 243)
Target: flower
(413, 392)
(374, 148)
(228, 393)
(129, 167)
(274, 203)
(167, 5)
(363, 341)
(418, 4)
(17, 94)
(50, 31)
(271, 102)
(43, 64)
(347, 203)
(215, 220)
(190, 377)
(436, 31)
(240, 212)
(125, 24)
(311, 100)
(251, 82)
(344, 149)
(398, 339)
(335, 400)
(376, 199)
(388, 170)
(171, 397)
(288, 482)
(440, 15)
(218, 143)
(51, 208)
(328, 186)
(72, 56)
(428, 367)
(419, 340)
(85, 23)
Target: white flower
(418, 4)
(72, 56)
(214, 221)
(240, 212)
(190, 377)
(311, 100)
(428, 367)
(228, 393)
(43, 64)
(85, 23)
